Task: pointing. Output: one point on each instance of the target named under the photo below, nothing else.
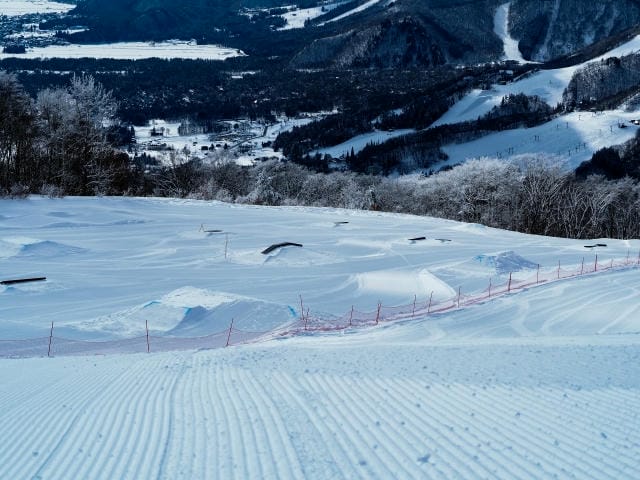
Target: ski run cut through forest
(538, 378)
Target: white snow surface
(295, 18)
(547, 84)
(542, 383)
(501, 28)
(573, 137)
(13, 8)
(364, 6)
(358, 142)
(132, 50)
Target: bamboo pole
(229, 335)
(146, 326)
(50, 340)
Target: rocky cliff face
(548, 29)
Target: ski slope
(297, 17)
(359, 142)
(573, 138)
(501, 29)
(542, 383)
(546, 84)
(358, 9)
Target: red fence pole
(378, 313)
(229, 335)
(146, 326)
(509, 286)
(50, 340)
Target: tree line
(61, 141)
(531, 194)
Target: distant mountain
(548, 29)
(404, 33)
(364, 33)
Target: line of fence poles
(306, 322)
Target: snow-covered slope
(359, 142)
(360, 8)
(501, 28)
(547, 84)
(575, 136)
(542, 383)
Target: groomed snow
(14, 8)
(574, 138)
(358, 142)
(543, 383)
(132, 50)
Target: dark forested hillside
(548, 29)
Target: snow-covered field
(296, 17)
(132, 50)
(12, 8)
(543, 383)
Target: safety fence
(53, 345)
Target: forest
(63, 142)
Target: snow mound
(247, 314)
(192, 312)
(505, 262)
(48, 248)
(8, 249)
(404, 284)
(29, 247)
